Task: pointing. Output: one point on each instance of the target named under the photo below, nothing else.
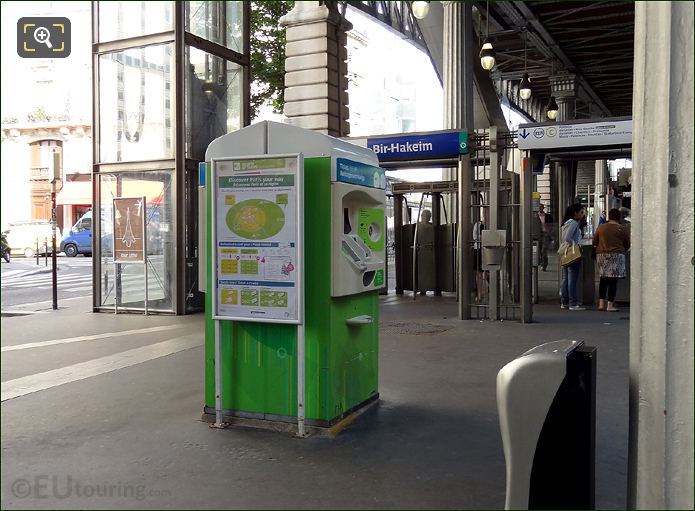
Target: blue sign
(448, 144)
(357, 173)
(201, 173)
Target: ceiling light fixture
(525, 85)
(420, 9)
(552, 109)
(487, 53)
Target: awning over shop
(75, 193)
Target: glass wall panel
(126, 283)
(219, 22)
(121, 20)
(213, 100)
(136, 104)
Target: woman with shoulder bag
(570, 257)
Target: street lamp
(552, 109)
(420, 9)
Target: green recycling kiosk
(294, 246)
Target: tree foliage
(268, 54)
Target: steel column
(436, 222)
(398, 239)
(179, 302)
(464, 252)
(493, 301)
(526, 280)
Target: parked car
(79, 239)
(22, 237)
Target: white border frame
(299, 279)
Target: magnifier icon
(43, 36)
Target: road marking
(70, 340)
(12, 273)
(42, 381)
(61, 280)
(76, 289)
(18, 307)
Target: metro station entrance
(455, 238)
(569, 149)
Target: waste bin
(546, 400)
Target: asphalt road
(23, 282)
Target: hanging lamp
(420, 9)
(525, 85)
(487, 52)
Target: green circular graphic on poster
(255, 219)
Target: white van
(23, 236)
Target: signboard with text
(358, 173)
(575, 134)
(419, 146)
(257, 239)
(129, 230)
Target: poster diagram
(257, 239)
(256, 219)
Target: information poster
(129, 230)
(258, 238)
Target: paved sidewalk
(433, 441)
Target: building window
(213, 101)
(121, 20)
(41, 158)
(135, 97)
(219, 22)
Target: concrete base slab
(289, 426)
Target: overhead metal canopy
(593, 42)
(395, 15)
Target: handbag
(571, 255)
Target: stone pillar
(660, 472)
(564, 88)
(458, 114)
(316, 68)
(452, 36)
(457, 66)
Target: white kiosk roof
(268, 137)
